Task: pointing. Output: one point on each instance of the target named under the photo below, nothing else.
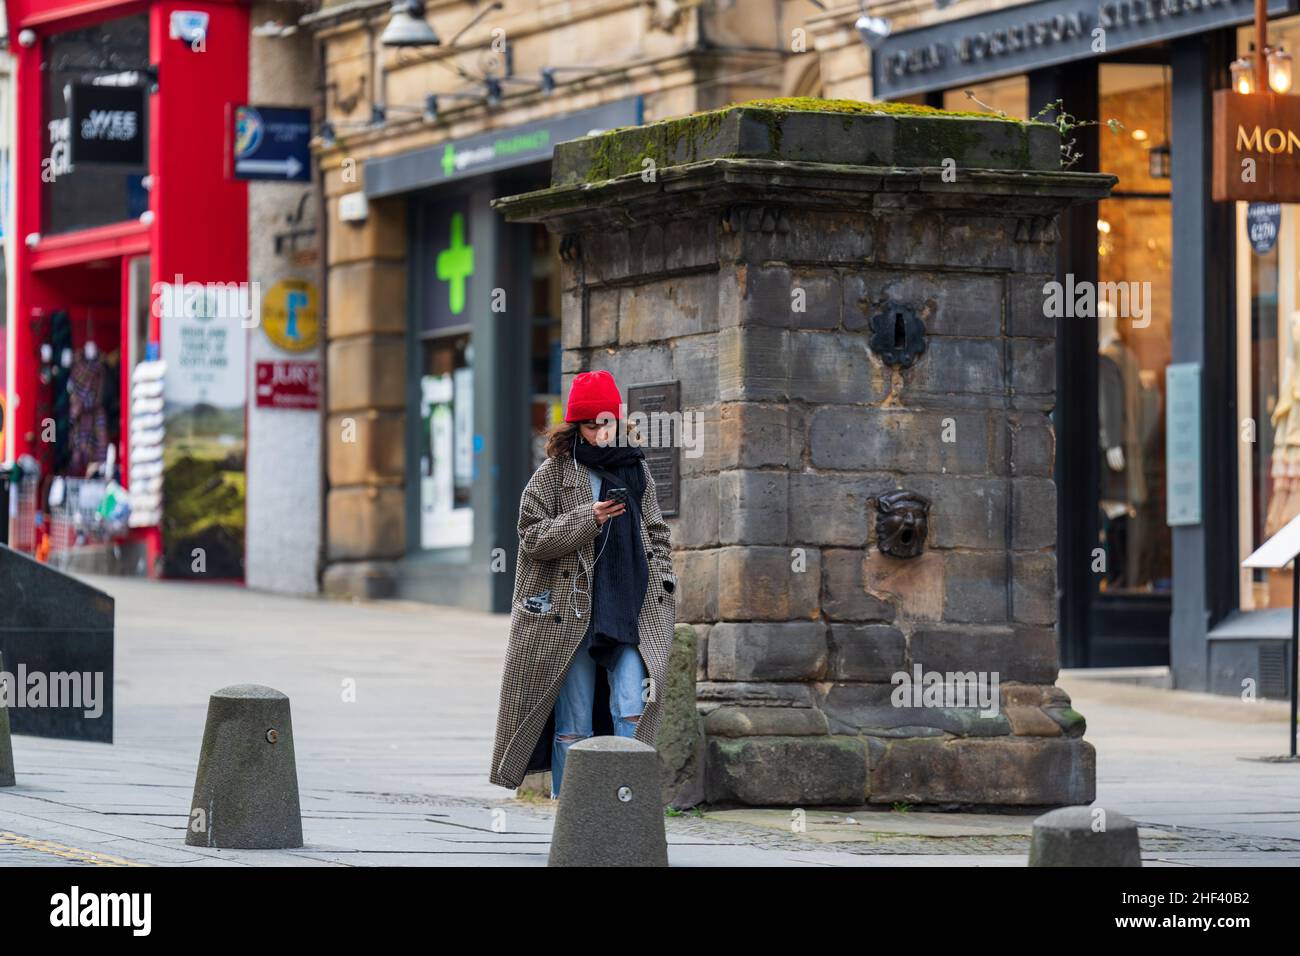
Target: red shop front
(114, 206)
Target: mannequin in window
(1123, 483)
(1284, 502)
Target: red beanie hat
(592, 393)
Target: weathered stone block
(754, 435)
(833, 509)
(964, 512)
(381, 236)
(1009, 771)
(366, 448)
(913, 442)
(697, 584)
(787, 771)
(948, 303)
(1033, 595)
(1015, 654)
(914, 587)
(366, 372)
(834, 368)
(602, 321)
(872, 709)
(1033, 514)
(866, 652)
(700, 502)
(365, 522)
(975, 587)
(367, 297)
(680, 305)
(759, 583)
(747, 651)
(765, 722)
(844, 588)
(754, 510)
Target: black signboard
(1030, 36)
(107, 124)
(663, 452)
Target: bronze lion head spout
(902, 521)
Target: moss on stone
(812, 104)
(677, 141)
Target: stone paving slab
(399, 778)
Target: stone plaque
(663, 452)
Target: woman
(591, 622)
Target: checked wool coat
(557, 532)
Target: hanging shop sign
(1263, 221)
(107, 125)
(271, 142)
(1256, 147)
(1034, 35)
(288, 384)
(487, 152)
(291, 316)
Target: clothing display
(1284, 501)
(1120, 405)
(87, 418)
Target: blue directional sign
(271, 142)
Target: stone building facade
(655, 60)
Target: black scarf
(621, 572)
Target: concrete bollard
(6, 741)
(1078, 836)
(246, 789)
(611, 809)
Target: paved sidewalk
(399, 777)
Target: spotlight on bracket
(872, 30)
(407, 26)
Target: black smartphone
(617, 494)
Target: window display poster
(446, 520)
(205, 348)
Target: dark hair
(561, 436)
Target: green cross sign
(449, 160)
(456, 264)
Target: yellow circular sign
(290, 315)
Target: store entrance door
(1114, 546)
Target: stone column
(779, 264)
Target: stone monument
(850, 297)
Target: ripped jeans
(574, 704)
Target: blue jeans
(577, 693)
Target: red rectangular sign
(285, 384)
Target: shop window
(547, 403)
(446, 441)
(1134, 331)
(113, 53)
(1268, 389)
(1010, 96)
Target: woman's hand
(604, 510)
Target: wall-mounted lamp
(407, 26)
(872, 30)
(26, 38)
